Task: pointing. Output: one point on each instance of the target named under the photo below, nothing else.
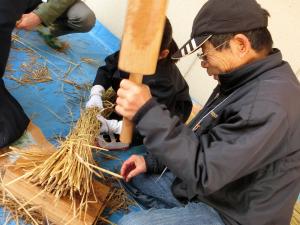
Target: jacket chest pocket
(208, 123)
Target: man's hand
(131, 97)
(29, 21)
(133, 166)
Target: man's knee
(81, 17)
(87, 22)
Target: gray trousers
(79, 18)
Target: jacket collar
(233, 80)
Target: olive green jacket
(51, 10)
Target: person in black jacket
(167, 85)
(238, 161)
(13, 120)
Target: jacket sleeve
(51, 10)
(169, 88)
(207, 162)
(153, 164)
(105, 73)
(162, 90)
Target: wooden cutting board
(57, 211)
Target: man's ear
(164, 54)
(242, 44)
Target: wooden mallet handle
(141, 42)
(127, 126)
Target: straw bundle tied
(296, 214)
(69, 171)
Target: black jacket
(244, 159)
(167, 85)
(13, 120)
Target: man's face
(218, 61)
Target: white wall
(283, 25)
(111, 13)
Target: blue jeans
(161, 207)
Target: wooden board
(38, 136)
(58, 211)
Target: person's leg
(13, 120)
(78, 18)
(191, 214)
(150, 191)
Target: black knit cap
(221, 17)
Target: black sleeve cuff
(152, 164)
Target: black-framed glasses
(203, 56)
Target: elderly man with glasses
(238, 161)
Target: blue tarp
(56, 104)
(53, 105)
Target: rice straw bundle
(27, 159)
(296, 214)
(68, 171)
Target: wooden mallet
(140, 47)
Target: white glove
(110, 126)
(95, 97)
